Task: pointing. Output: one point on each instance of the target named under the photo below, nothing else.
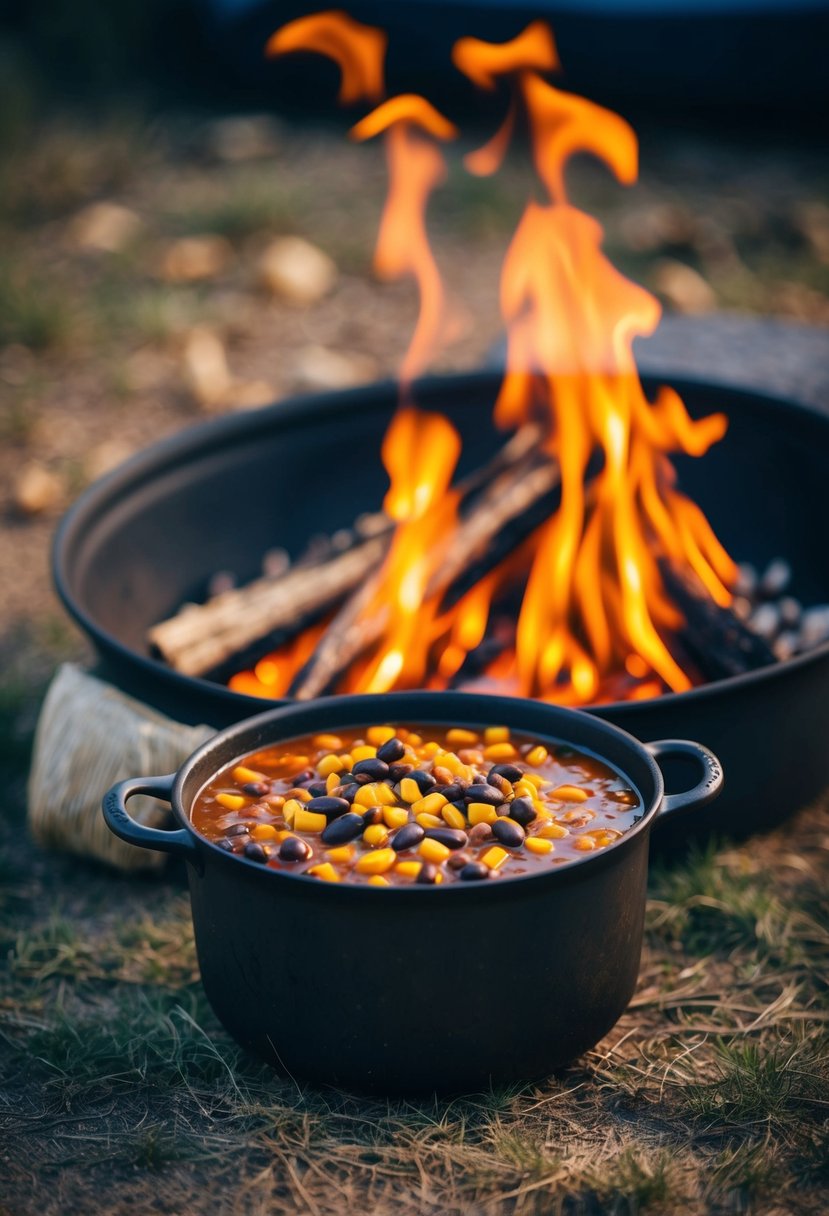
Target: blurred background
(185, 229)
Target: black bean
(484, 793)
(255, 852)
(240, 843)
(398, 771)
(503, 809)
(407, 837)
(317, 789)
(459, 805)
(374, 769)
(307, 774)
(453, 838)
(329, 806)
(427, 873)
(391, 750)
(508, 833)
(238, 829)
(256, 789)
(349, 792)
(456, 861)
(474, 872)
(424, 781)
(225, 844)
(511, 771)
(294, 849)
(341, 831)
(480, 833)
(450, 792)
(522, 811)
(373, 814)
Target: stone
(37, 489)
(194, 258)
(204, 363)
(297, 271)
(104, 457)
(323, 368)
(107, 227)
(682, 287)
(244, 137)
(248, 395)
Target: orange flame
(595, 614)
(359, 50)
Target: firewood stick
(514, 503)
(202, 638)
(714, 638)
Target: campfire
(570, 567)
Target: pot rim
(507, 710)
(294, 411)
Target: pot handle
(704, 791)
(119, 821)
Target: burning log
(512, 506)
(203, 638)
(714, 638)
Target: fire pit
(150, 536)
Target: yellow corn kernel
(300, 794)
(430, 805)
(536, 844)
(243, 775)
(376, 793)
(364, 752)
(535, 780)
(331, 782)
(584, 844)
(329, 743)
(408, 869)
(413, 739)
(309, 821)
(458, 737)
(330, 764)
(434, 851)
(347, 761)
(231, 802)
(342, 855)
(430, 749)
(542, 811)
(375, 835)
(453, 817)
(536, 756)
(495, 857)
(524, 789)
(378, 735)
(377, 880)
(496, 734)
(376, 863)
(264, 831)
(481, 812)
(282, 834)
(569, 793)
(290, 809)
(553, 831)
(395, 816)
(499, 751)
(325, 871)
(410, 790)
(409, 758)
(275, 802)
(602, 838)
(428, 821)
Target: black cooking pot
(407, 989)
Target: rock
(812, 222)
(682, 287)
(321, 367)
(657, 226)
(194, 258)
(37, 489)
(244, 137)
(248, 395)
(108, 227)
(205, 367)
(295, 270)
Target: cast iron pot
(412, 989)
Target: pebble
(244, 137)
(776, 578)
(204, 364)
(107, 227)
(746, 582)
(194, 258)
(814, 627)
(791, 610)
(297, 271)
(765, 621)
(37, 489)
(683, 287)
(319, 367)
